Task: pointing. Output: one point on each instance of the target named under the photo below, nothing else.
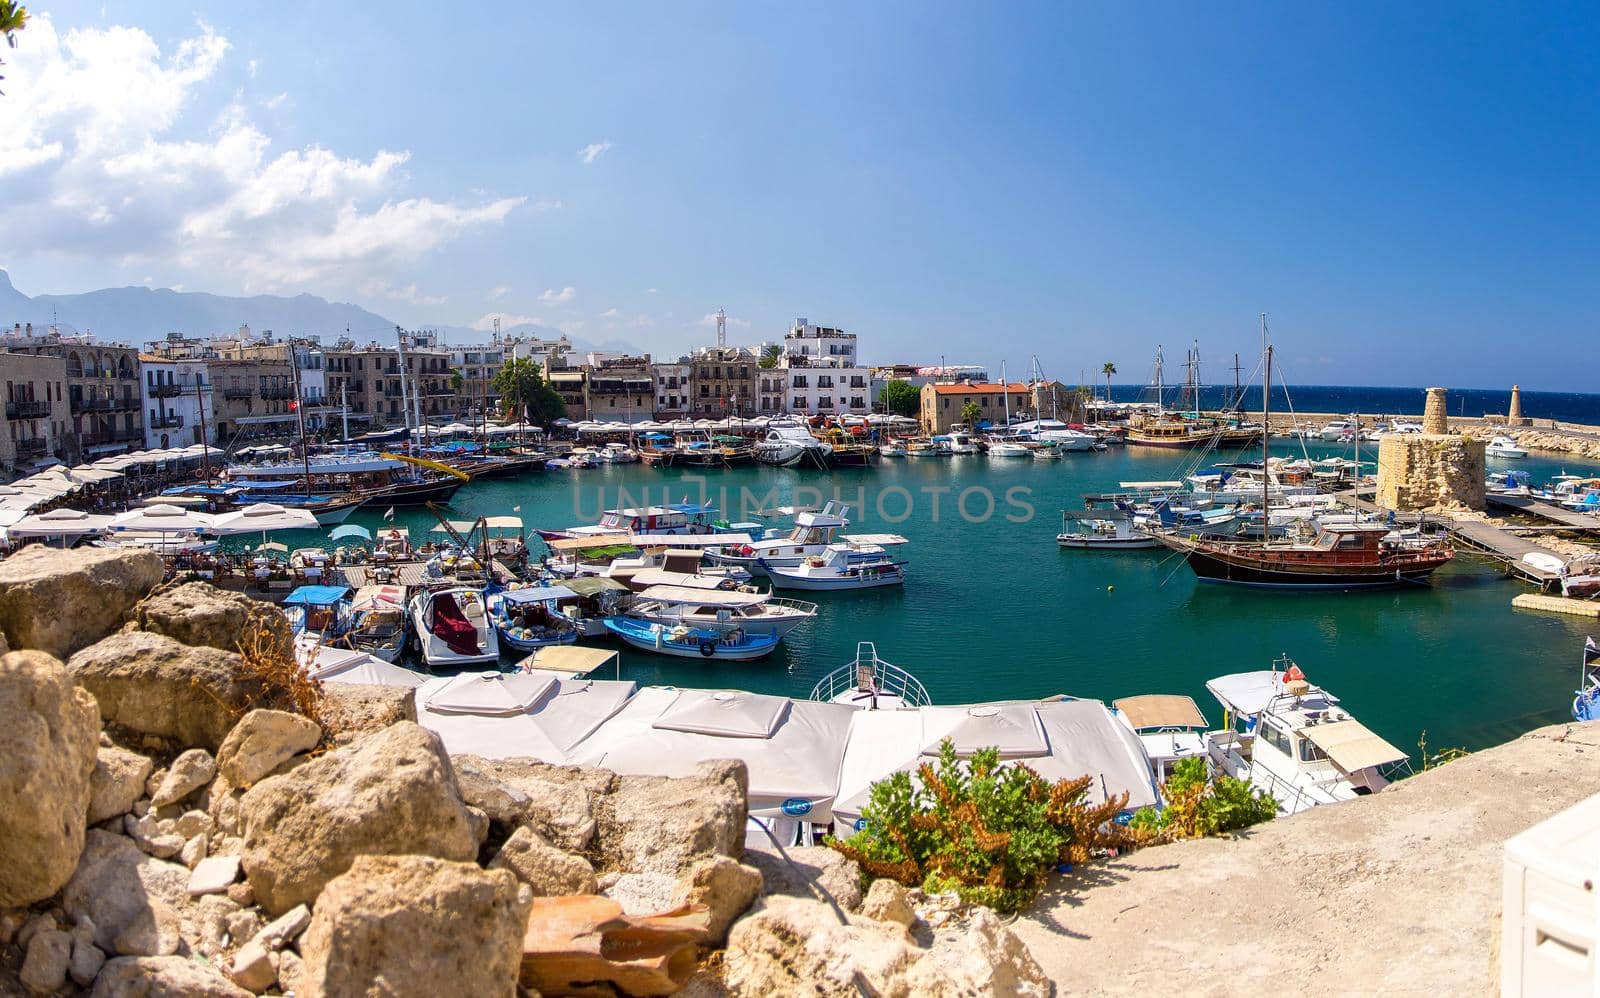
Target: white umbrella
(163, 516)
(52, 485)
(88, 474)
(60, 523)
(262, 517)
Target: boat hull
(1215, 567)
(874, 579)
(701, 648)
(414, 494)
(1107, 543)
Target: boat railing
(797, 605)
(869, 673)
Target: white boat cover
(489, 693)
(685, 540)
(341, 665)
(569, 661)
(1160, 710)
(379, 597)
(793, 772)
(873, 540)
(704, 597)
(662, 577)
(503, 522)
(1013, 728)
(549, 732)
(1248, 693)
(59, 523)
(1352, 745)
(728, 713)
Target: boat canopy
(703, 597)
(504, 523)
(687, 540)
(1013, 728)
(1160, 710)
(661, 577)
(549, 730)
(489, 693)
(341, 665)
(1249, 693)
(339, 533)
(594, 585)
(379, 597)
(569, 661)
(462, 527)
(539, 595)
(873, 540)
(1149, 485)
(590, 541)
(1352, 745)
(316, 595)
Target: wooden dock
(1557, 604)
(410, 574)
(1581, 522)
(1483, 538)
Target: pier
(1485, 539)
(1566, 518)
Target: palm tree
(770, 355)
(13, 18)
(1108, 369)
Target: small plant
(286, 685)
(1440, 757)
(989, 832)
(1198, 807)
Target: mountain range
(137, 315)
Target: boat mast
(1266, 433)
(300, 415)
(200, 404)
(1160, 390)
(400, 354)
(1005, 393)
(344, 413)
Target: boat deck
(1545, 510)
(410, 574)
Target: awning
(592, 541)
(1160, 710)
(593, 585)
(537, 595)
(1352, 745)
(503, 523)
(316, 595)
(703, 597)
(568, 659)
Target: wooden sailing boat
(1343, 556)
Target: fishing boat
(1009, 448)
(1586, 702)
(892, 448)
(677, 518)
(378, 622)
(870, 683)
(1107, 530)
(530, 618)
(813, 531)
(618, 453)
(1508, 483)
(789, 444)
(321, 611)
(453, 628)
(683, 641)
(1171, 728)
(841, 567)
(719, 608)
(1293, 740)
(921, 447)
(1504, 447)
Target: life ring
(199, 474)
(708, 648)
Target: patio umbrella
(350, 530)
(60, 523)
(263, 516)
(163, 517)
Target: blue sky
(1407, 190)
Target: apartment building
(824, 375)
(37, 417)
(672, 388)
(102, 384)
(724, 380)
(176, 398)
(619, 389)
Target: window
(1309, 752)
(856, 403)
(1276, 738)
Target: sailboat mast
(1266, 433)
(300, 413)
(1005, 392)
(1160, 389)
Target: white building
(824, 374)
(172, 394)
(672, 387)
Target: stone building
(37, 417)
(942, 404)
(250, 399)
(572, 387)
(724, 381)
(619, 389)
(102, 383)
(1433, 469)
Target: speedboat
(1292, 740)
(788, 444)
(758, 613)
(683, 641)
(1508, 483)
(957, 442)
(840, 567)
(1170, 727)
(870, 683)
(893, 448)
(1009, 448)
(676, 518)
(1337, 429)
(378, 622)
(615, 453)
(1504, 447)
(1104, 529)
(921, 448)
(813, 531)
(453, 628)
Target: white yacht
(956, 442)
(755, 613)
(1336, 429)
(1171, 728)
(676, 518)
(870, 683)
(1504, 447)
(453, 628)
(788, 444)
(1058, 434)
(1292, 740)
(813, 531)
(1008, 448)
(840, 567)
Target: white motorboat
(1008, 448)
(1171, 727)
(378, 622)
(955, 442)
(813, 531)
(841, 567)
(1504, 447)
(675, 518)
(453, 628)
(1292, 740)
(1336, 429)
(615, 453)
(1058, 435)
(788, 444)
(755, 613)
(1112, 530)
(870, 683)
(893, 448)
(921, 448)
(1508, 483)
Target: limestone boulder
(150, 684)
(131, 898)
(350, 710)
(49, 734)
(58, 601)
(262, 741)
(724, 887)
(978, 956)
(809, 872)
(117, 782)
(545, 869)
(163, 977)
(190, 771)
(44, 967)
(578, 945)
(663, 824)
(200, 614)
(392, 792)
(887, 901)
(418, 925)
(558, 802)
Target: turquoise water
(995, 609)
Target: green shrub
(1198, 807)
(989, 832)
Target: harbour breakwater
(185, 815)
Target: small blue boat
(733, 645)
(1586, 704)
(528, 619)
(318, 610)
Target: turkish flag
(294, 406)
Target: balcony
(172, 389)
(112, 437)
(27, 410)
(105, 405)
(277, 393)
(31, 446)
(238, 393)
(166, 422)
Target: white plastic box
(1550, 922)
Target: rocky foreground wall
(171, 824)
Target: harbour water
(993, 609)
(1567, 407)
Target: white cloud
(553, 297)
(507, 320)
(276, 101)
(593, 151)
(710, 321)
(497, 293)
(408, 294)
(611, 313)
(251, 67)
(650, 291)
(101, 157)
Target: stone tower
(1436, 414)
(1514, 414)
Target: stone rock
(87, 959)
(213, 875)
(810, 872)
(242, 894)
(158, 935)
(350, 710)
(290, 970)
(193, 851)
(200, 614)
(641, 893)
(662, 824)
(209, 924)
(222, 804)
(543, 867)
(153, 835)
(284, 929)
(982, 957)
(163, 977)
(422, 926)
(192, 823)
(153, 685)
(243, 926)
(574, 943)
(41, 921)
(189, 772)
(558, 802)
(49, 734)
(886, 901)
(58, 601)
(392, 792)
(724, 887)
(44, 968)
(125, 893)
(116, 783)
(262, 741)
(251, 968)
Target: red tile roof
(1014, 388)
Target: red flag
(294, 406)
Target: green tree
(526, 395)
(970, 414)
(900, 397)
(457, 379)
(1108, 369)
(13, 18)
(770, 355)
